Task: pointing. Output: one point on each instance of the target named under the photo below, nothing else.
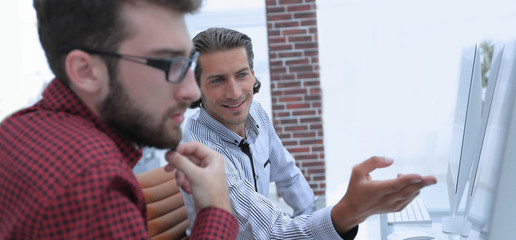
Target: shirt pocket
(265, 168)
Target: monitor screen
(465, 128)
(494, 148)
(490, 142)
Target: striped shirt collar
(251, 127)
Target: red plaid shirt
(66, 175)
(214, 223)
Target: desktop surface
(438, 207)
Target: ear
(86, 73)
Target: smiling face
(227, 87)
(141, 104)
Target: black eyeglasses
(175, 68)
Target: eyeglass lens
(178, 70)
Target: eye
(242, 75)
(216, 80)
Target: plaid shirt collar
(60, 98)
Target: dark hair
(92, 24)
(220, 39)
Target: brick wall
(295, 84)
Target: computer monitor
(466, 127)
(495, 211)
(503, 211)
(490, 143)
(487, 188)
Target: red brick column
(295, 84)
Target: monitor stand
(456, 225)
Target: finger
(169, 168)
(401, 204)
(410, 192)
(398, 200)
(183, 182)
(373, 163)
(180, 178)
(196, 150)
(403, 180)
(183, 164)
(169, 156)
(397, 184)
(187, 187)
(429, 180)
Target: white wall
(389, 72)
(23, 66)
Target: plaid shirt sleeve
(214, 223)
(100, 204)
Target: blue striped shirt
(270, 162)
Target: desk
(434, 229)
(436, 201)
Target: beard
(121, 113)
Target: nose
(233, 91)
(188, 90)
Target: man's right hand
(200, 172)
(366, 197)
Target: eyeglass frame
(164, 64)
